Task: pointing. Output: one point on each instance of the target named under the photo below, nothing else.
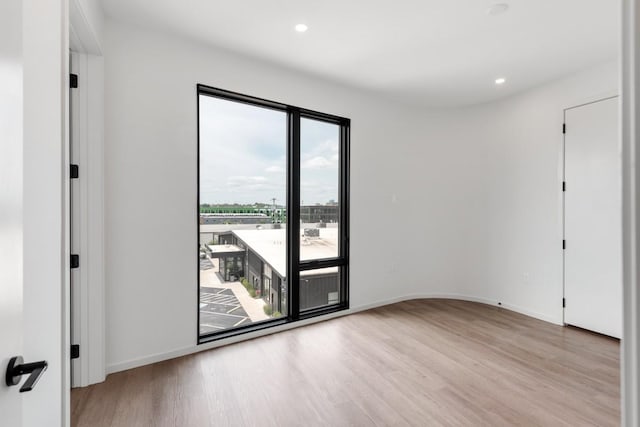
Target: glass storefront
(232, 268)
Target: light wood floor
(420, 363)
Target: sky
(243, 155)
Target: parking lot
(225, 305)
(220, 309)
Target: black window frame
(294, 264)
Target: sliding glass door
(272, 213)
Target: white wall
(477, 188)
(506, 171)
(150, 182)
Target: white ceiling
(427, 52)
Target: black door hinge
(75, 351)
(75, 261)
(564, 244)
(564, 186)
(75, 171)
(564, 128)
(73, 81)
(564, 303)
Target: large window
(272, 213)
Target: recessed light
(501, 81)
(301, 28)
(498, 9)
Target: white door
(32, 272)
(10, 203)
(45, 209)
(593, 206)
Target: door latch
(16, 369)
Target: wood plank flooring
(416, 363)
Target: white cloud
(245, 180)
(318, 162)
(243, 154)
(274, 169)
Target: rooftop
(270, 245)
(224, 249)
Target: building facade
(259, 257)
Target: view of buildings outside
(243, 217)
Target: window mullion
(293, 213)
(345, 153)
(322, 263)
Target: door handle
(16, 369)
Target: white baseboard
(159, 357)
(550, 319)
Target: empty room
(297, 213)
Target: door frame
(630, 77)
(87, 309)
(87, 219)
